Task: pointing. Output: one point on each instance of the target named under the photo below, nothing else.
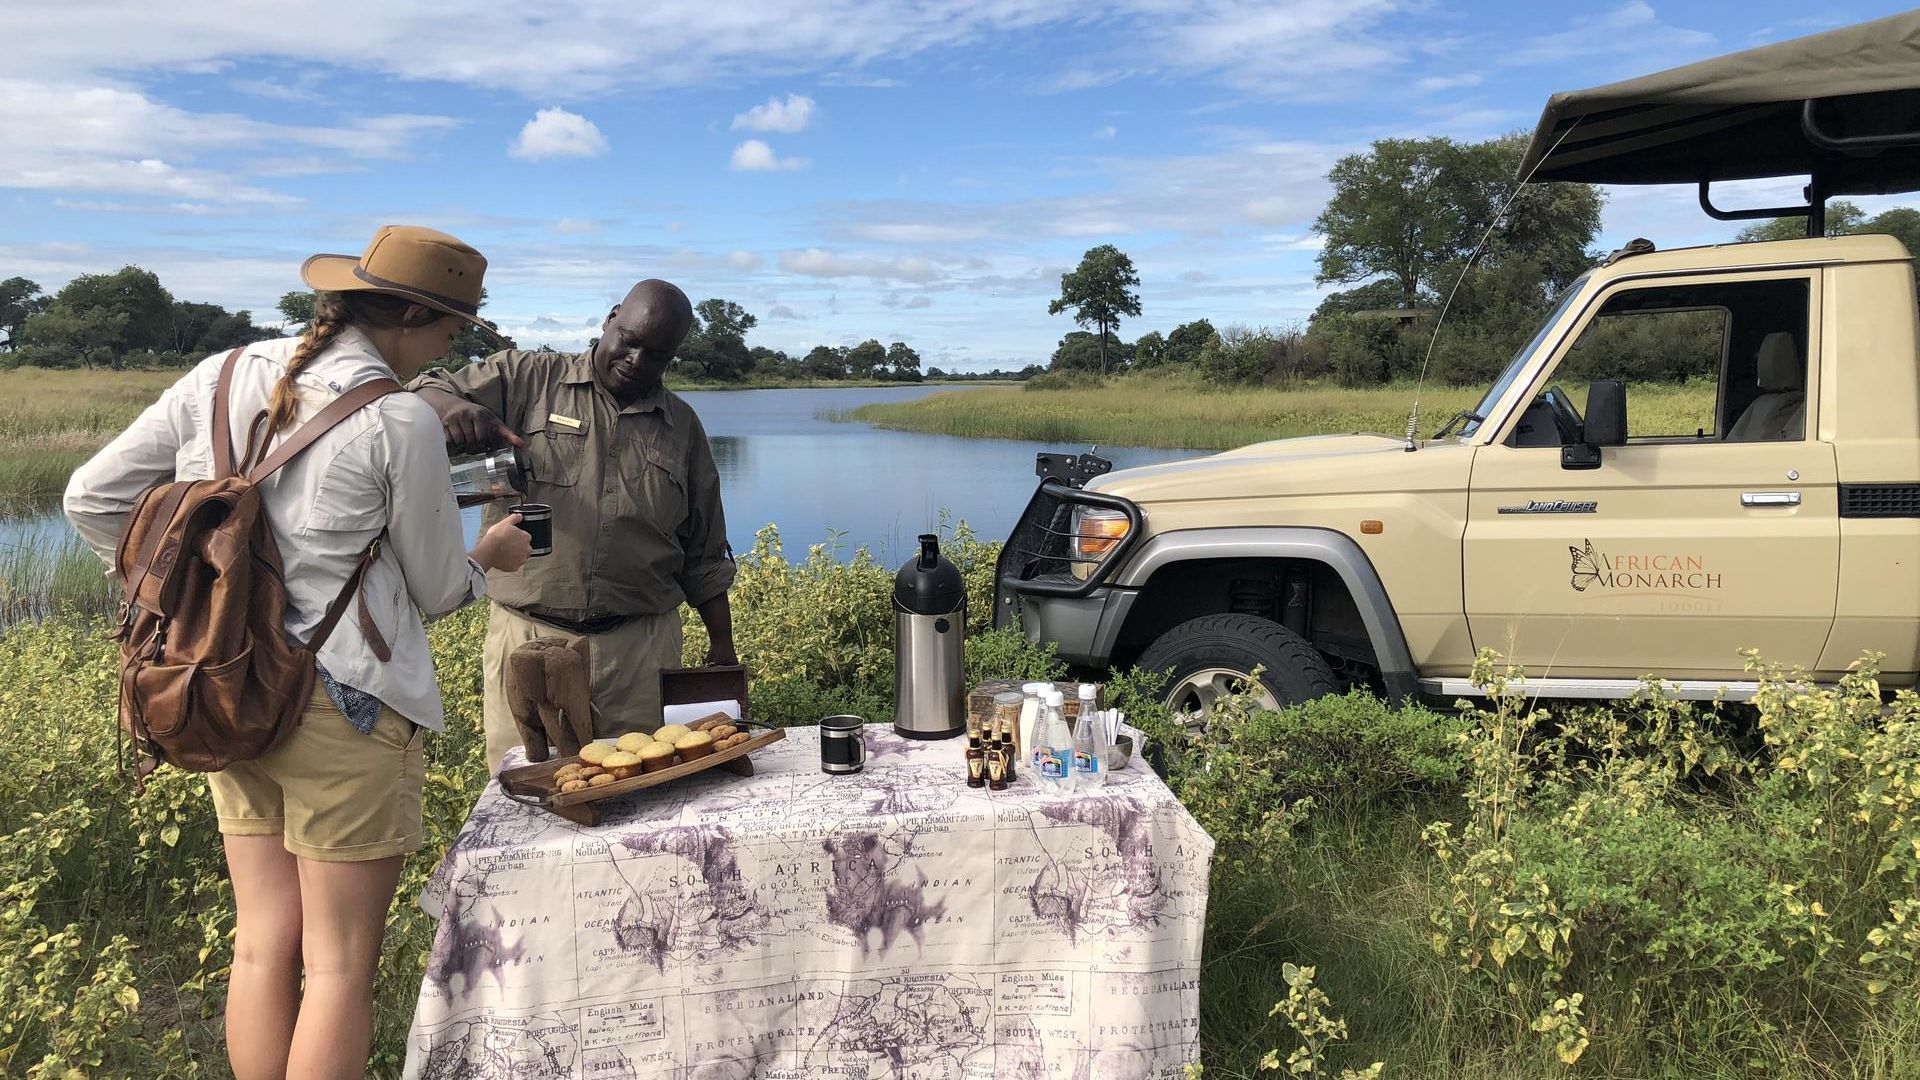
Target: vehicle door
(1714, 529)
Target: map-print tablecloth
(893, 923)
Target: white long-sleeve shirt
(382, 469)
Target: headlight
(1096, 531)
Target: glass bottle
(1053, 746)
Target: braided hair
(333, 312)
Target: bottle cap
(1036, 687)
(1056, 698)
(1088, 689)
(1007, 697)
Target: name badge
(564, 421)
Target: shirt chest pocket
(556, 452)
(656, 481)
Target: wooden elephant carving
(549, 689)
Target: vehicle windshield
(1519, 361)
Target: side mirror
(1605, 425)
(1606, 413)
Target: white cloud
(267, 88)
(578, 226)
(915, 302)
(915, 232)
(111, 139)
(558, 133)
(1633, 29)
(597, 46)
(789, 116)
(1107, 132)
(781, 311)
(744, 261)
(756, 156)
(814, 262)
(1436, 83)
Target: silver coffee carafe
(502, 474)
(929, 646)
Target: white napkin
(694, 710)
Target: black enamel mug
(843, 747)
(536, 520)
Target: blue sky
(913, 170)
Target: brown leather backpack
(208, 674)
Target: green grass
(1174, 412)
(51, 422)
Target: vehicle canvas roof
(1841, 107)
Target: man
(637, 521)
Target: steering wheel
(1565, 417)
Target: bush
(1067, 379)
(1639, 857)
(1238, 356)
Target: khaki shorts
(331, 793)
(626, 673)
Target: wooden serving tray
(533, 784)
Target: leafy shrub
(1644, 855)
(1239, 356)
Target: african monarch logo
(1586, 567)
(1668, 573)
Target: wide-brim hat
(423, 265)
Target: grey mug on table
(843, 744)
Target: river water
(782, 462)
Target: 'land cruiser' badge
(1552, 506)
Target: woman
(316, 829)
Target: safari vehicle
(1588, 536)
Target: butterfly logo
(1586, 566)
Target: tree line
(128, 319)
(1414, 226)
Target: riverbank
(52, 421)
(1164, 411)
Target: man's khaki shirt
(637, 522)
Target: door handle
(1770, 498)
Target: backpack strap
(222, 427)
(339, 608)
(341, 407)
(149, 545)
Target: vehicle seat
(1780, 412)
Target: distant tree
(826, 362)
(20, 299)
(1100, 292)
(935, 373)
(1410, 208)
(865, 360)
(1185, 342)
(1373, 296)
(1081, 351)
(143, 307)
(724, 317)
(1150, 351)
(65, 336)
(903, 363)
(202, 329)
(1843, 218)
(297, 309)
(471, 343)
(716, 348)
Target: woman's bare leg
(263, 995)
(344, 917)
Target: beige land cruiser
(1587, 536)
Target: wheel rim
(1197, 693)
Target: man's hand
(471, 428)
(721, 654)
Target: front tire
(1214, 656)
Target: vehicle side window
(1724, 361)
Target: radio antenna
(1413, 418)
